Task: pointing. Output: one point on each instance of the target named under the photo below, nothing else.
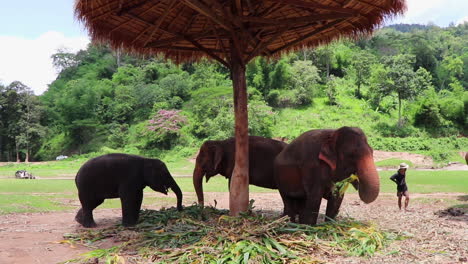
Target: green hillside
(406, 89)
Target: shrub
(429, 115)
(163, 129)
(118, 135)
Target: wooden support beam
(264, 44)
(269, 9)
(250, 7)
(167, 41)
(207, 51)
(155, 25)
(239, 7)
(130, 8)
(220, 41)
(130, 19)
(313, 33)
(368, 4)
(98, 9)
(158, 23)
(203, 9)
(239, 186)
(146, 22)
(295, 20)
(300, 3)
(246, 34)
(190, 49)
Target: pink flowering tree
(163, 129)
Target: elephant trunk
(369, 182)
(198, 174)
(176, 189)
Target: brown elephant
(466, 157)
(308, 168)
(217, 157)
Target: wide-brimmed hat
(403, 166)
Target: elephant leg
(333, 206)
(314, 191)
(310, 210)
(85, 214)
(131, 204)
(289, 207)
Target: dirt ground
(432, 236)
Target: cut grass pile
(209, 235)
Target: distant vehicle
(22, 174)
(61, 157)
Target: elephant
(217, 157)
(121, 176)
(308, 168)
(466, 158)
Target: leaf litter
(209, 235)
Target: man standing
(402, 189)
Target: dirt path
(34, 237)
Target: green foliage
(53, 147)
(118, 135)
(101, 97)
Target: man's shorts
(403, 193)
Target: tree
(280, 77)
(450, 69)
(13, 93)
(63, 60)
(31, 131)
(403, 80)
(362, 63)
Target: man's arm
(393, 178)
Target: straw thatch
(189, 29)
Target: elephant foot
(129, 222)
(88, 223)
(308, 219)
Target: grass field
(69, 168)
(52, 195)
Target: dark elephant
(308, 168)
(124, 176)
(466, 158)
(217, 157)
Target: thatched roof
(190, 29)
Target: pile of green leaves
(209, 235)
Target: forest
(406, 87)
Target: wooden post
(239, 189)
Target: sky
(31, 31)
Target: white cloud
(440, 12)
(28, 60)
(418, 9)
(462, 20)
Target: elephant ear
(217, 154)
(152, 177)
(328, 153)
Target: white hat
(403, 166)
